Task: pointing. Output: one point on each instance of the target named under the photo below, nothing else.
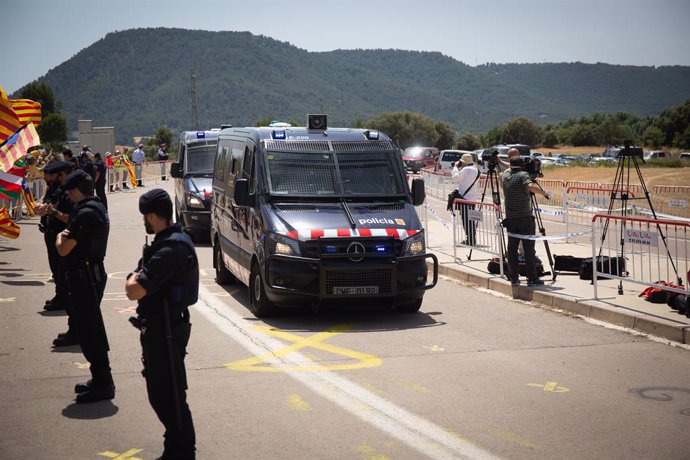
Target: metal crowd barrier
(151, 172)
(654, 250)
(581, 203)
(488, 234)
(438, 184)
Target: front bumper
(196, 221)
(291, 279)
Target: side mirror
(175, 170)
(241, 195)
(418, 193)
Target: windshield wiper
(343, 203)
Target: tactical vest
(93, 248)
(184, 289)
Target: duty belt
(97, 271)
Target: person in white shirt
(138, 157)
(467, 180)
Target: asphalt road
(471, 375)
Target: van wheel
(412, 307)
(223, 275)
(258, 302)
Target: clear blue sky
(38, 35)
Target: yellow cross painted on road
(551, 387)
(8, 299)
(265, 362)
(124, 455)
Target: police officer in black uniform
(55, 212)
(165, 283)
(82, 246)
(100, 178)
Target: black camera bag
(609, 265)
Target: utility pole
(195, 122)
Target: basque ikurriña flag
(16, 146)
(10, 186)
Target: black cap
(57, 166)
(74, 179)
(156, 201)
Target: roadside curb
(596, 310)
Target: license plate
(355, 290)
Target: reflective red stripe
(344, 232)
(412, 232)
(292, 234)
(392, 232)
(316, 234)
(364, 232)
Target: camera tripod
(540, 226)
(492, 182)
(627, 160)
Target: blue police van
(314, 216)
(193, 174)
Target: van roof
(193, 136)
(303, 134)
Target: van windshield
(334, 174)
(200, 158)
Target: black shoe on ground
(536, 282)
(53, 306)
(66, 340)
(83, 387)
(96, 393)
(515, 282)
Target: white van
(449, 157)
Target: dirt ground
(606, 174)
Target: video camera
(489, 159)
(532, 166)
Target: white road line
(422, 435)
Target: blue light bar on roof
(372, 134)
(200, 135)
(278, 134)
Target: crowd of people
(75, 224)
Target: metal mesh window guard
(301, 174)
(368, 173)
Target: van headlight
(194, 201)
(282, 245)
(414, 245)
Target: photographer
(518, 186)
(466, 180)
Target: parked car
(657, 154)
(685, 156)
(594, 158)
(447, 158)
(416, 158)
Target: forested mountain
(138, 80)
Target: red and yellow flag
(8, 228)
(130, 168)
(17, 145)
(27, 111)
(9, 122)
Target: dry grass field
(652, 175)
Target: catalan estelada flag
(27, 111)
(16, 146)
(8, 228)
(9, 121)
(28, 197)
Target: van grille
(364, 146)
(296, 207)
(381, 278)
(297, 146)
(385, 207)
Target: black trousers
(178, 443)
(86, 303)
(100, 193)
(521, 226)
(470, 226)
(61, 289)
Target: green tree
(583, 135)
(682, 140)
(653, 137)
(163, 136)
(406, 128)
(446, 136)
(41, 92)
(53, 131)
(674, 121)
(521, 130)
(550, 139)
(493, 136)
(469, 141)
